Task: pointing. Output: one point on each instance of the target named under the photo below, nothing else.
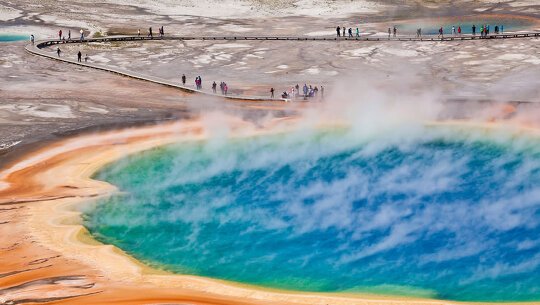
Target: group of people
(222, 86)
(79, 55)
(456, 31)
(308, 91)
(344, 29)
(150, 32)
(484, 30)
(198, 85)
(392, 30)
(63, 38)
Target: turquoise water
(437, 214)
(13, 37)
(431, 27)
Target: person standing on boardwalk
(338, 30)
(350, 33)
(459, 30)
(297, 89)
(344, 29)
(60, 35)
(395, 31)
(58, 51)
(389, 32)
(474, 30)
(272, 92)
(82, 34)
(32, 39)
(225, 88)
(305, 90)
(139, 32)
(162, 31)
(79, 56)
(183, 79)
(214, 87)
(453, 30)
(69, 34)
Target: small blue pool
(431, 26)
(7, 37)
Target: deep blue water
(13, 37)
(450, 217)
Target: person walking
(79, 56)
(395, 31)
(82, 34)
(459, 30)
(344, 29)
(305, 89)
(272, 92)
(350, 33)
(162, 31)
(389, 32)
(69, 34)
(357, 32)
(58, 51)
(474, 30)
(441, 33)
(150, 33)
(453, 31)
(183, 79)
(338, 30)
(214, 87)
(60, 35)
(32, 39)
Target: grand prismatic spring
(241, 152)
(329, 212)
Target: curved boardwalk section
(38, 50)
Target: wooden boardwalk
(297, 38)
(37, 49)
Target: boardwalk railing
(288, 38)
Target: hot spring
(431, 26)
(7, 37)
(440, 213)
